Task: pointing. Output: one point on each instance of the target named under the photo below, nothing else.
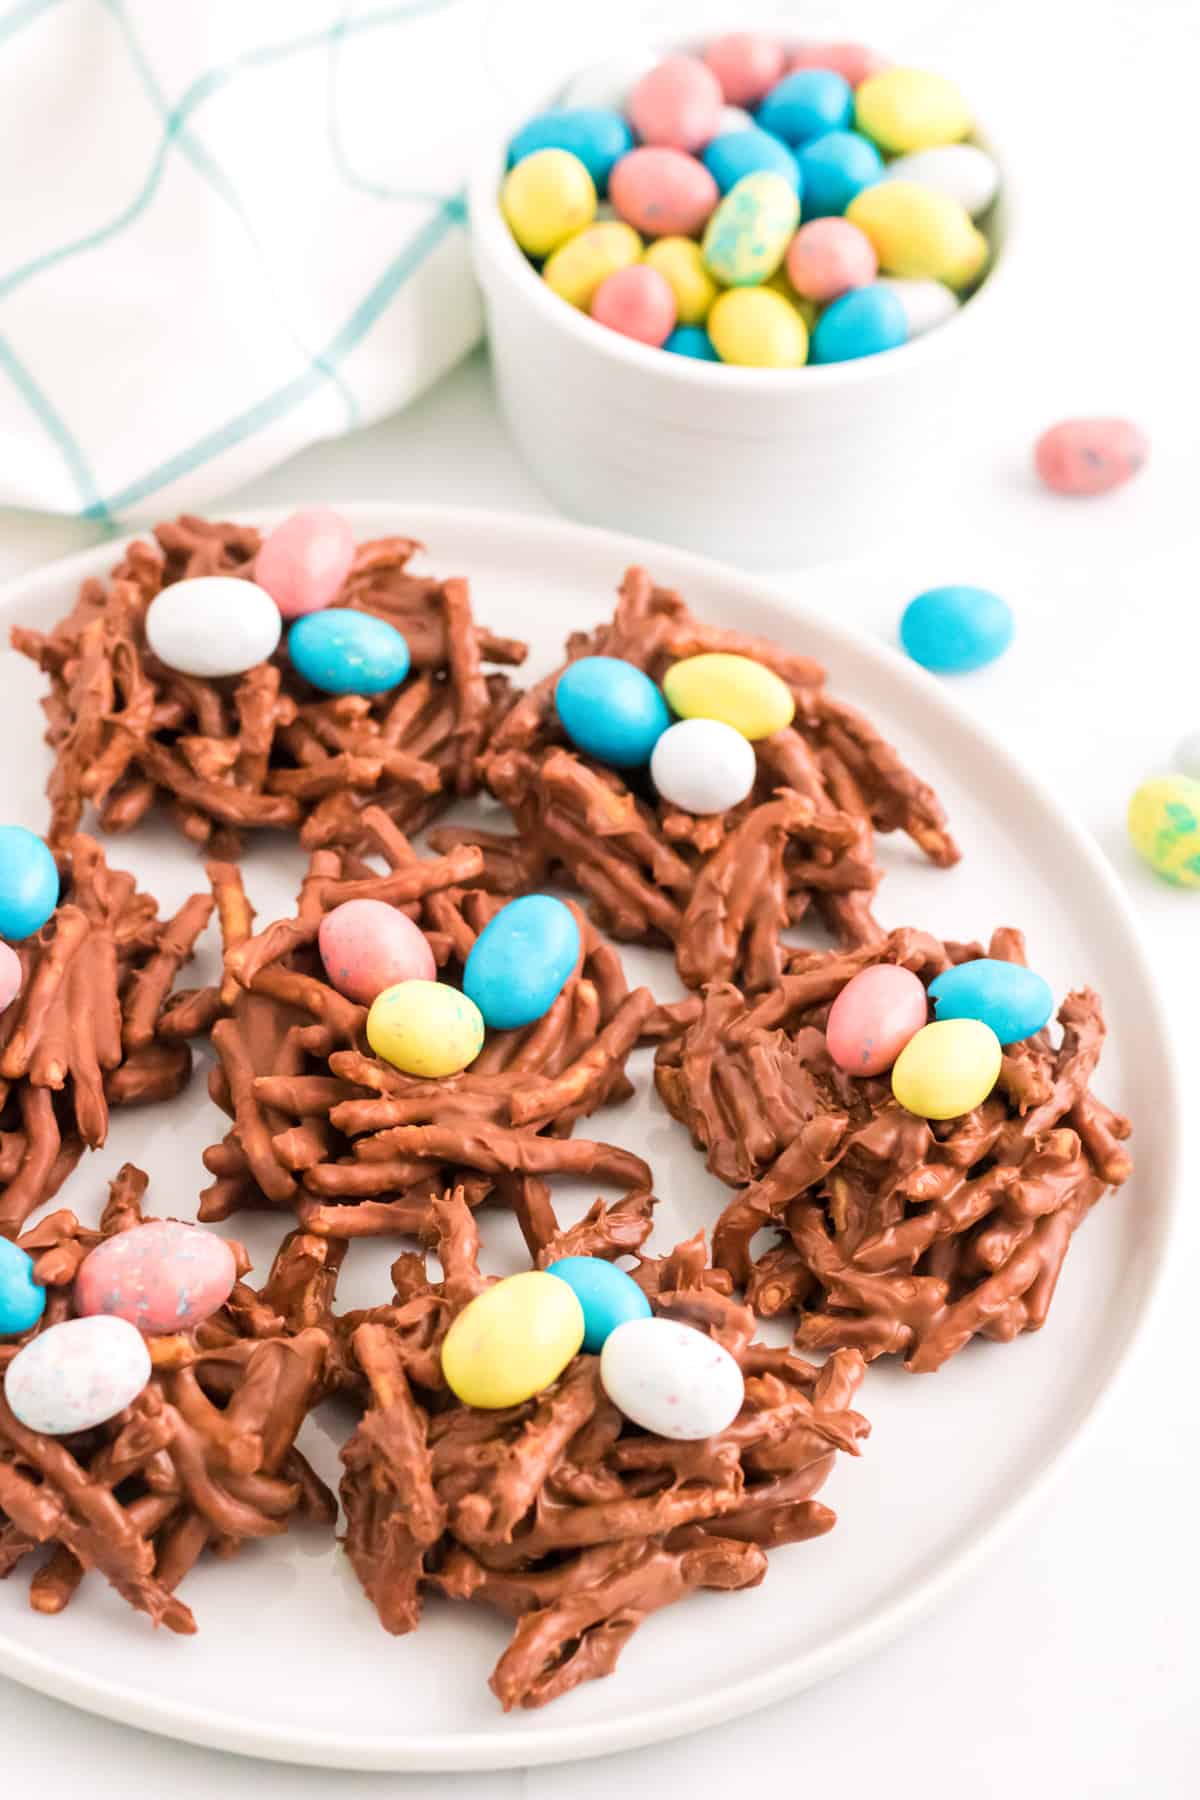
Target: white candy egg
(77, 1374)
(1186, 760)
(670, 1378)
(926, 303)
(610, 82)
(703, 766)
(213, 625)
(733, 118)
(964, 171)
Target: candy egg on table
(671, 1379)
(703, 766)
(692, 341)
(610, 709)
(521, 961)
(161, 1276)
(926, 303)
(22, 1299)
(513, 1340)
(10, 975)
(681, 262)
(1016, 1002)
(747, 64)
(213, 625)
(947, 1069)
(77, 1374)
(828, 257)
(748, 235)
(1090, 456)
(918, 232)
(638, 302)
(854, 62)
(546, 198)
(676, 104)
(833, 169)
(29, 884)
(876, 1014)
(806, 104)
(1186, 760)
(303, 562)
(367, 946)
(911, 109)
(606, 1294)
(964, 171)
(739, 153)
(425, 1028)
(344, 652)
(598, 135)
(577, 267)
(1164, 828)
(663, 192)
(953, 630)
(610, 82)
(862, 323)
(740, 692)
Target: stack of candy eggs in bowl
(755, 204)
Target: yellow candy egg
(425, 1028)
(947, 1069)
(681, 262)
(577, 267)
(747, 236)
(919, 233)
(911, 109)
(513, 1340)
(546, 199)
(1164, 827)
(735, 689)
(758, 329)
(779, 283)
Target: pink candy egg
(663, 193)
(367, 946)
(638, 302)
(677, 104)
(163, 1276)
(828, 257)
(10, 976)
(746, 64)
(1090, 456)
(853, 62)
(873, 1017)
(303, 562)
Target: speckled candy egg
(863, 323)
(546, 199)
(920, 233)
(367, 945)
(213, 625)
(1090, 456)
(597, 135)
(671, 1379)
(829, 257)
(703, 766)
(425, 1028)
(77, 1374)
(947, 1069)
(521, 961)
(578, 267)
(742, 693)
(833, 169)
(911, 109)
(22, 1300)
(853, 62)
(747, 64)
(162, 1276)
(344, 652)
(677, 104)
(512, 1340)
(953, 630)
(964, 171)
(10, 976)
(1164, 828)
(638, 302)
(807, 104)
(926, 303)
(748, 235)
(873, 1017)
(29, 884)
(303, 562)
(610, 709)
(662, 192)
(681, 263)
(609, 1297)
(1016, 1002)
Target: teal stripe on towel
(22, 15)
(57, 431)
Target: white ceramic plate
(289, 1661)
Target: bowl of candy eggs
(735, 290)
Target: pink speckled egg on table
(873, 1018)
(678, 104)
(161, 1276)
(663, 192)
(304, 561)
(367, 946)
(1090, 456)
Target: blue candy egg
(22, 1301)
(833, 168)
(28, 882)
(740, 153)
(1013, 1000)
(519, 963)
(343, 652)
(597, 135)
(693, 341)
(607, 1295)
(807, 104)
(952, 630)
(861, 323)
(610, 709)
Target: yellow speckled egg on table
(757, 329)
(1164, 828)
(911, 109)
(425, 1028)
(577, 267)
(735, 689)
(513, 1340)
(547, 198)
(680, 261)
(919, 233)
(947, 1069)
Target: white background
(1068, 1665)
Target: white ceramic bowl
(762, 467)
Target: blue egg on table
(693, 341)
(740, 153)
(521, 960)
(833, 168)
(953, 630)
(29, 882)
(611, 710)
(1015, 1001)
(598, 135)
(607, 1295)
(862, 323)
(22, 1301)
(344, 652)
(805, 105)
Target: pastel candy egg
(748, 234)
(546, 199)
(780, 283)
(577, 267)
(213, 625)
(162, 1276)
(638, 302)
(731, 119)
(952, 630)
(77, 1374)
(1090, 456)
(926, 303)
(610, 82)
(874, 1016)
(691, 341)
(863, 323)
(512, 1340)
(611, 710)
(918, 232)
(425, 1028)
(1187, 757)
(303, 562)
(663, 193)
(747, 64)
(828, 257)
(1164, 828)
(29, 884)
(737, 690)
(10, 975)
(703, 766)
(1016, 1002)
(964, 171)
(911, 109)
(740, 153)
(671, 1379)
(22, 1300)
(854, 62)
(597, 135)
(521, 961)
(681, 262)
(806, 104)
(676, 104)
(345, 652)
(833, 168)
(367, 945)
(607, 1295)
(947, 1069)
